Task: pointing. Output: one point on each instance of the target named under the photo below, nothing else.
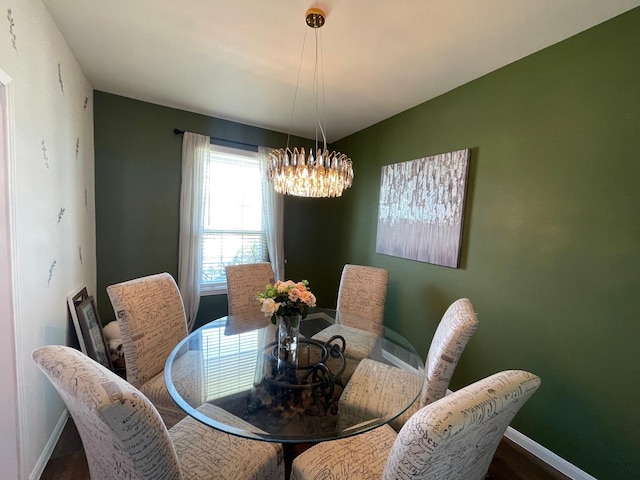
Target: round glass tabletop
(228, 374)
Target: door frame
(11, 451)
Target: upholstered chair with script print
(124, 436)
(359, 313)
(375, 388)
(152, 322)
(361, 298)
(452, 438)
(244, 281)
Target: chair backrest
(243, 283)
(361, 297)
(152, 322)
(457, 436)
(455, 329)
(122, 433)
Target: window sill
(206, 291)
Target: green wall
(550, 254)
(138, 198)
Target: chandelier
(305, 175)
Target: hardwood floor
(67, 461)
(510, 462)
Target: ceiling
(239, 59)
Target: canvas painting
(421, 209)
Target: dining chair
(452, 438)
(376, 389)
(361, 297)
(151, 317)
(124, 436)
(244, 281)
(359, 313)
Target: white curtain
(195, 153)
(273, 215)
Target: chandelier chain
(295, 94)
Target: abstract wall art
(421, 209)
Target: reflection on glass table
(230, 363)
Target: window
(233, 215)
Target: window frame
(220, 288)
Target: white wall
(53, 168)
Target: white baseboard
(41, 464)
(547, 456)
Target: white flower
(269, 306)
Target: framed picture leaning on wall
(91, 330)
(74, 299)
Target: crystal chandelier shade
(326, 174)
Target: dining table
(231, 364)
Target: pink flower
(284, 286)
(295, 294)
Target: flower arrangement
(286, 299)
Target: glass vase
(288, 329)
